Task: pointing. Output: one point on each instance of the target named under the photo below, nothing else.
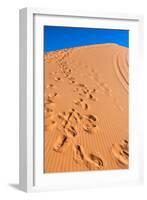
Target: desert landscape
(86, 109)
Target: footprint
(78, 116)
(49, 110)
(53, 121)
(84, 92)
(50, 86)
(93, 91)
(92, 117)
(69, 115)
(71, 80)
(80, 102)
(89, 124)
(91, 97)
(57, 78)
(121, 153)
(61, 143)
(50, 126)
(71, 131)
(96, 160)
(91, 161)
(84, 106)
(53, 73)
(78, 153)
(62, 115)
(52, 95)
(50, 122)
(81, 85)
(49, 101)
(68, 70)
(70, 123)
(81, 89)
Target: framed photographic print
(80, 99)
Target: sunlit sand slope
(86, 109)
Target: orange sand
(86, 109)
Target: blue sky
(59, 37)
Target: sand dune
(86, 109)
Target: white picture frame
(31, 174)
